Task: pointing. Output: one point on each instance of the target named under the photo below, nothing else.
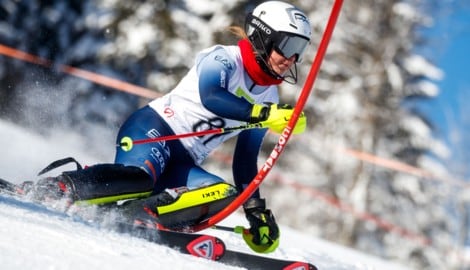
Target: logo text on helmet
(295, 14)
(261, 26)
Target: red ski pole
(127, 143)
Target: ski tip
(300, 266)
(207, 247)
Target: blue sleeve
(246, 156)
(214, 72)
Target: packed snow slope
(33, 237)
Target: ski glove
(263, 235)
(276, 117)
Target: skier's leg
(132, 176)
(98, 184)
(195, 196)
(198, 177)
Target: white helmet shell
(275, 25)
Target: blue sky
(449, 49)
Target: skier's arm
(264, 232)
(214, 72)
(245, 157)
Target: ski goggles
(285, 43)
(289, 45)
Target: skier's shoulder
(225, 56)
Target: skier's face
(279, 63)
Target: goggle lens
(291, 45)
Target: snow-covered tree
(370, 73)
(65, 33)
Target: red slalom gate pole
(287, 132)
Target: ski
(208, 247)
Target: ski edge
(252, 261)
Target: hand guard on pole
(276, 117)
(263, 236)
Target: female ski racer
(228, 86)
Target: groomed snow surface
(35, 238)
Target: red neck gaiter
(252, 67)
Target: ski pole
(127, 143)
(237, 229)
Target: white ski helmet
(279, 26)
